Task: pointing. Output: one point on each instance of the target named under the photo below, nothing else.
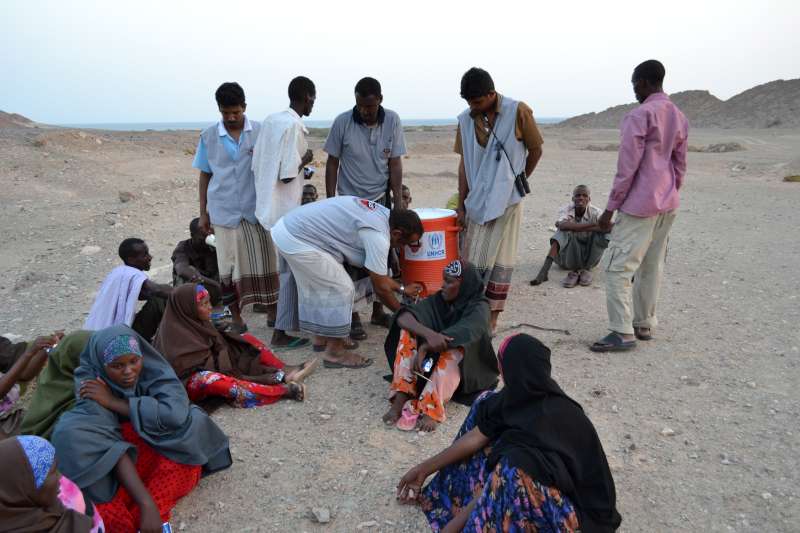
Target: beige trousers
(638, 247)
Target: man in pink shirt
(650, 171)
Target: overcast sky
(107, 61)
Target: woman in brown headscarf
(34, 496)
(239, 368)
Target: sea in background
(165, 126)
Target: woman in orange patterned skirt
(440, 346)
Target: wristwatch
(402, 289)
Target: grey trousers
(579, 250)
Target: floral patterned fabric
(239, 392)
(443, 382)
(8, 403)
(509, 500)
(119, 346)
(40, 454)
(72, 498)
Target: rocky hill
(13, 120)
(772, 105)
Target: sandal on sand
(408, 418)
(296, 342)
(334, 364)
(352, 345)
(384, 320)
(357, 332)
(643, 334)
(613, 342)
(297, 391)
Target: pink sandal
(408, 418)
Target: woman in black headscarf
(451, 328)
(526, 458)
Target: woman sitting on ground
(211, 363)
(526, 459)
(451, 327)
(55, 388)
(34, 496)
(133, 440)
(19, 364)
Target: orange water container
(439, 247)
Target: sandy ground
(700, 426)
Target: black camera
(521, 183)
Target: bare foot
(345, 359)
(297, 391)
(393, 414)
(427, 424)
(299, 373)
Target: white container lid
(430, 213)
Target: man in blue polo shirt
(365, 148)
(245, 253)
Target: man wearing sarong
(497, 139)
(280, 154)
(579, 243)
(245, 253)
(650, 171)
(316, 239)
(365, 147)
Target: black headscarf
(536, 427)
(466, 320)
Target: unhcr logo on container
(435, 248)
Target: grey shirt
(364, 153)
(351, 229)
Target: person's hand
(307, 158)
(422, 351)
(413, 289)
(438, 342)
(150, 518)
(43, 343)
(97, 390)
(205, 224)
(410, 486)
(461, 218)
(604, 222)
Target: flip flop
(357, 331)
(613, 342)
(643, 336)
(408, 418)
(321, 347)
(334, 364)
(296, 342)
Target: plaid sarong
(492, 248)
(248, 269)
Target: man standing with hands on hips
(650, 172)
